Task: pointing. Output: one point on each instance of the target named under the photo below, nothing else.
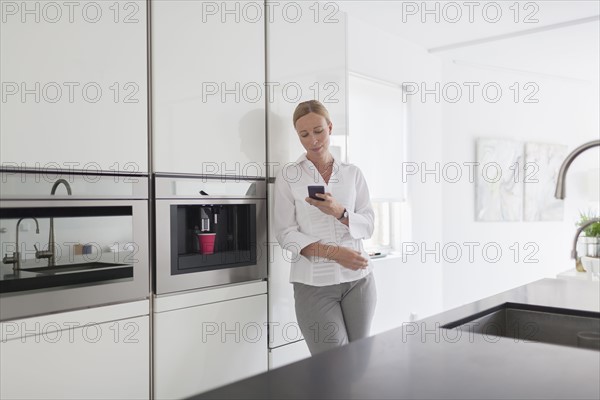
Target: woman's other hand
(345, 256)
(348, 257)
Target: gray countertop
(422, 361)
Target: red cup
(206, 242)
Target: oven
(209, 231)
(71, 241)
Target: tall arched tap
(51, 253)
(559, 193)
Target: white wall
(567, 113)
(374, 53)
(442, 132)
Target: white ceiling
(564, 42)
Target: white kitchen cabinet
(74, 85)
(208, 74)
(99, 353)
(290, 353)
(306, 60)
(209, 338)
(283, 324)
(282, 312)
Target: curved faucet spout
(559, 193)
(51, 253)
(17, 254)
(37, 225)
(58, 183)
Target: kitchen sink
(63, 275)
(71, 267)
(535, 324)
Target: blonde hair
(311, 106)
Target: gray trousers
(331, 316)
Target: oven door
(239, 253)
(100, 255)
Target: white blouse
(298, 224)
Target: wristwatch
(344, 215)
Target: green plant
(594, 229)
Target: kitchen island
(422, 360)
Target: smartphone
(312, 190)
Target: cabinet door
(284, 328)
(208, 75)
(200, 348)
(306, 59)
(288, 354)
(74, 85)
(110, 360)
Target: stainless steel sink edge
(524, 307)
(74, 268)
(534, 324)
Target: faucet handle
(42, 253)
(10, 259)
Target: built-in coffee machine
(209, 231)
(213, 236)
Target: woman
(334, 288)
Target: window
(377, 120)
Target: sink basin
(63, 276)
(535, 324)
(71, 267)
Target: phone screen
(312, 190)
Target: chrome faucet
(578, 264)
(15, 259)
(57, 184)
(50, 254)
(559, 193)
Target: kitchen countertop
(582, 276)
(422, 361)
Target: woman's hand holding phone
(324, 201)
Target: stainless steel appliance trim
(150, 142)
(163, 187)
(24, 304)
(223, 178)
(58, 171)
(139, 185)
(167, 283)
